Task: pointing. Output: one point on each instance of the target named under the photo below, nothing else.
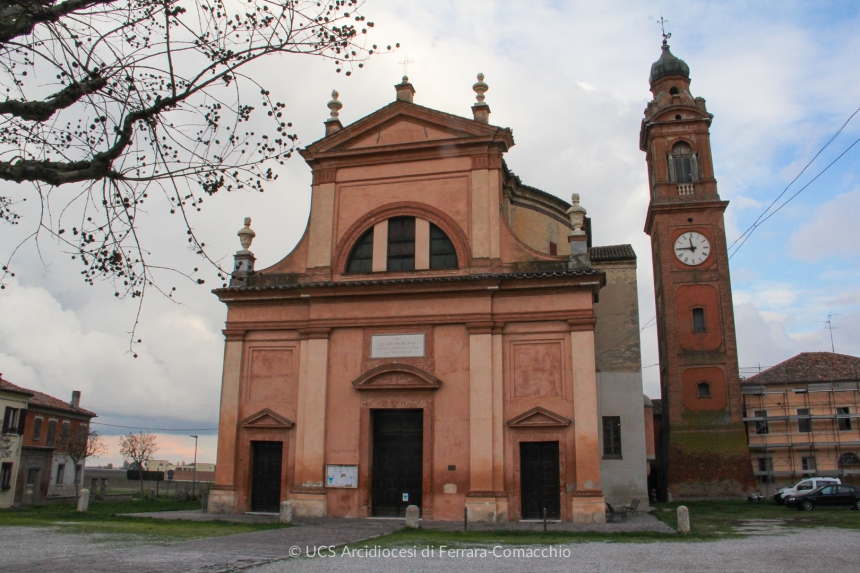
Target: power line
(765, 215)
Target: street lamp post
(194, 468)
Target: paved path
(819, 550)
(201, 555)
(97, 553)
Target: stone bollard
(150, 494)
(286, 515)
(412, 517)
(84, 501)
(683, 520)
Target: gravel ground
(23, 544)
(821, 550)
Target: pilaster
(222, 497)
(308, 493)
(587, 503)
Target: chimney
(481, 110)
(332, 124)
(76, 399)
(405, 91)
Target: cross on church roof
(666, 36)
(406, 61)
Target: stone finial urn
(246, 235)
(577, 215)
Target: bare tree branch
(19, 18)
(43, 110)
(113, 104)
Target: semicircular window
(849, 459)
(361, 258)
(443, 255)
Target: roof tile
(809, 367)
(43, 400)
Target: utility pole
(194, 469)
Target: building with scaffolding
(803, 419)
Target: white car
(805, 485)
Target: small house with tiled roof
(44, 469)
(13, 405)
(803, 419)
(443, 335)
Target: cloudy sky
(571, 80)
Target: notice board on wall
(341, 476)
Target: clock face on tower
(692, 248)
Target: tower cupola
(668, 65)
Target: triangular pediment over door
(267, 419)
(538, 418)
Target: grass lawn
(709, 521)
(103, 517)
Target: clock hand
(692, 248)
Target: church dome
(668, 65)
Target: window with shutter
(6, 476)
(683, 166)
(52, 433)
(612, 436)
(37, 428)
(7, 418)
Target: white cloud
(46, 347)
(762, 341)
(768, 294)
(832, 230)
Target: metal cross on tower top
(666, 36)
(406, 61)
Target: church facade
(443, 335)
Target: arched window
(683, 163)
(703, 390)
(849, 459)
(674, 91)
(401, 244)
(438, 250)
(443, 255)
(361, 258)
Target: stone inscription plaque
(397, 346)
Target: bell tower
(703, 447)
